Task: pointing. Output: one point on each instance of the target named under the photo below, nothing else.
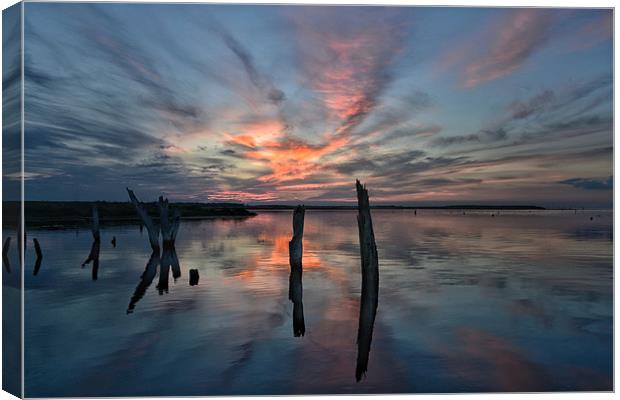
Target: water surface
(519, 301)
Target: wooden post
(37, 249)
(95, 226)
(152, 229)
(370, 281)
(168, 228)
(295, 246)
(295, 288)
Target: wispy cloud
(347, 58)
(516, 37)
(291, 103)
(261, 81)
(595, 31)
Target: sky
(290, 104)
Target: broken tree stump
(295, 246)
(168, 228)
(152, 229)
(370, 281)
(295, 288)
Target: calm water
(515, 302)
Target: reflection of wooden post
(295, 291)
(37, 249)
(370, 281)
(145, 280)
(146, 220)
(5, 254)
(95, 248)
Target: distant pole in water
(295, 287)
(113, 241)
(5, 254)
(37, 249)
(370, 281)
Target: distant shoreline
(72, 214)
(389, 207)
(76, 214)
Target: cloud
(516, 36)
(109, 38)
(483, 136)
(534, 105)
(595, 31)
(347, 58)
(591, 184)
(260, 80)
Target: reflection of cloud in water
(482, 357)
(437, 276)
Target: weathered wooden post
(152, 229)
(370, 281)
(37, 249)
(295, 288)
(169, 228)
(5, 254)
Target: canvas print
(213, 199)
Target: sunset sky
(291, 104)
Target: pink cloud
(346, 59)
(594, 32)
(517, 36)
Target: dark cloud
(483, 136)
(591, 184)
(534, 105)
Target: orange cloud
(291, 159)
(226, 195)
